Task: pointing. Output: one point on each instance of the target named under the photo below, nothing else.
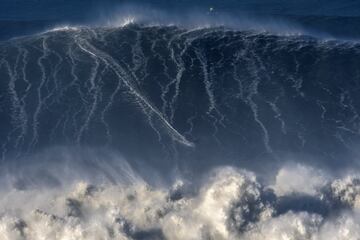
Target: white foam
(298, 178)
(230, 204)
(63, 28)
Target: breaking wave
(179, 104)
(227, 203)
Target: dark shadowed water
(179, 120)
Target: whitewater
(150, 131)
(303, 203)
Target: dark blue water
(190, 98)
(266, 80)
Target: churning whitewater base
(227, 203)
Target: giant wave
(208, 93)
(178, 104)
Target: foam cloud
(347, 191)
(298, 178)
(230, 203)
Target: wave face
(198, 95)
(126, 132)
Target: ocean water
(179, 120)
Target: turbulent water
(124, 132)
(304, 203)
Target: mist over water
(160, 122)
